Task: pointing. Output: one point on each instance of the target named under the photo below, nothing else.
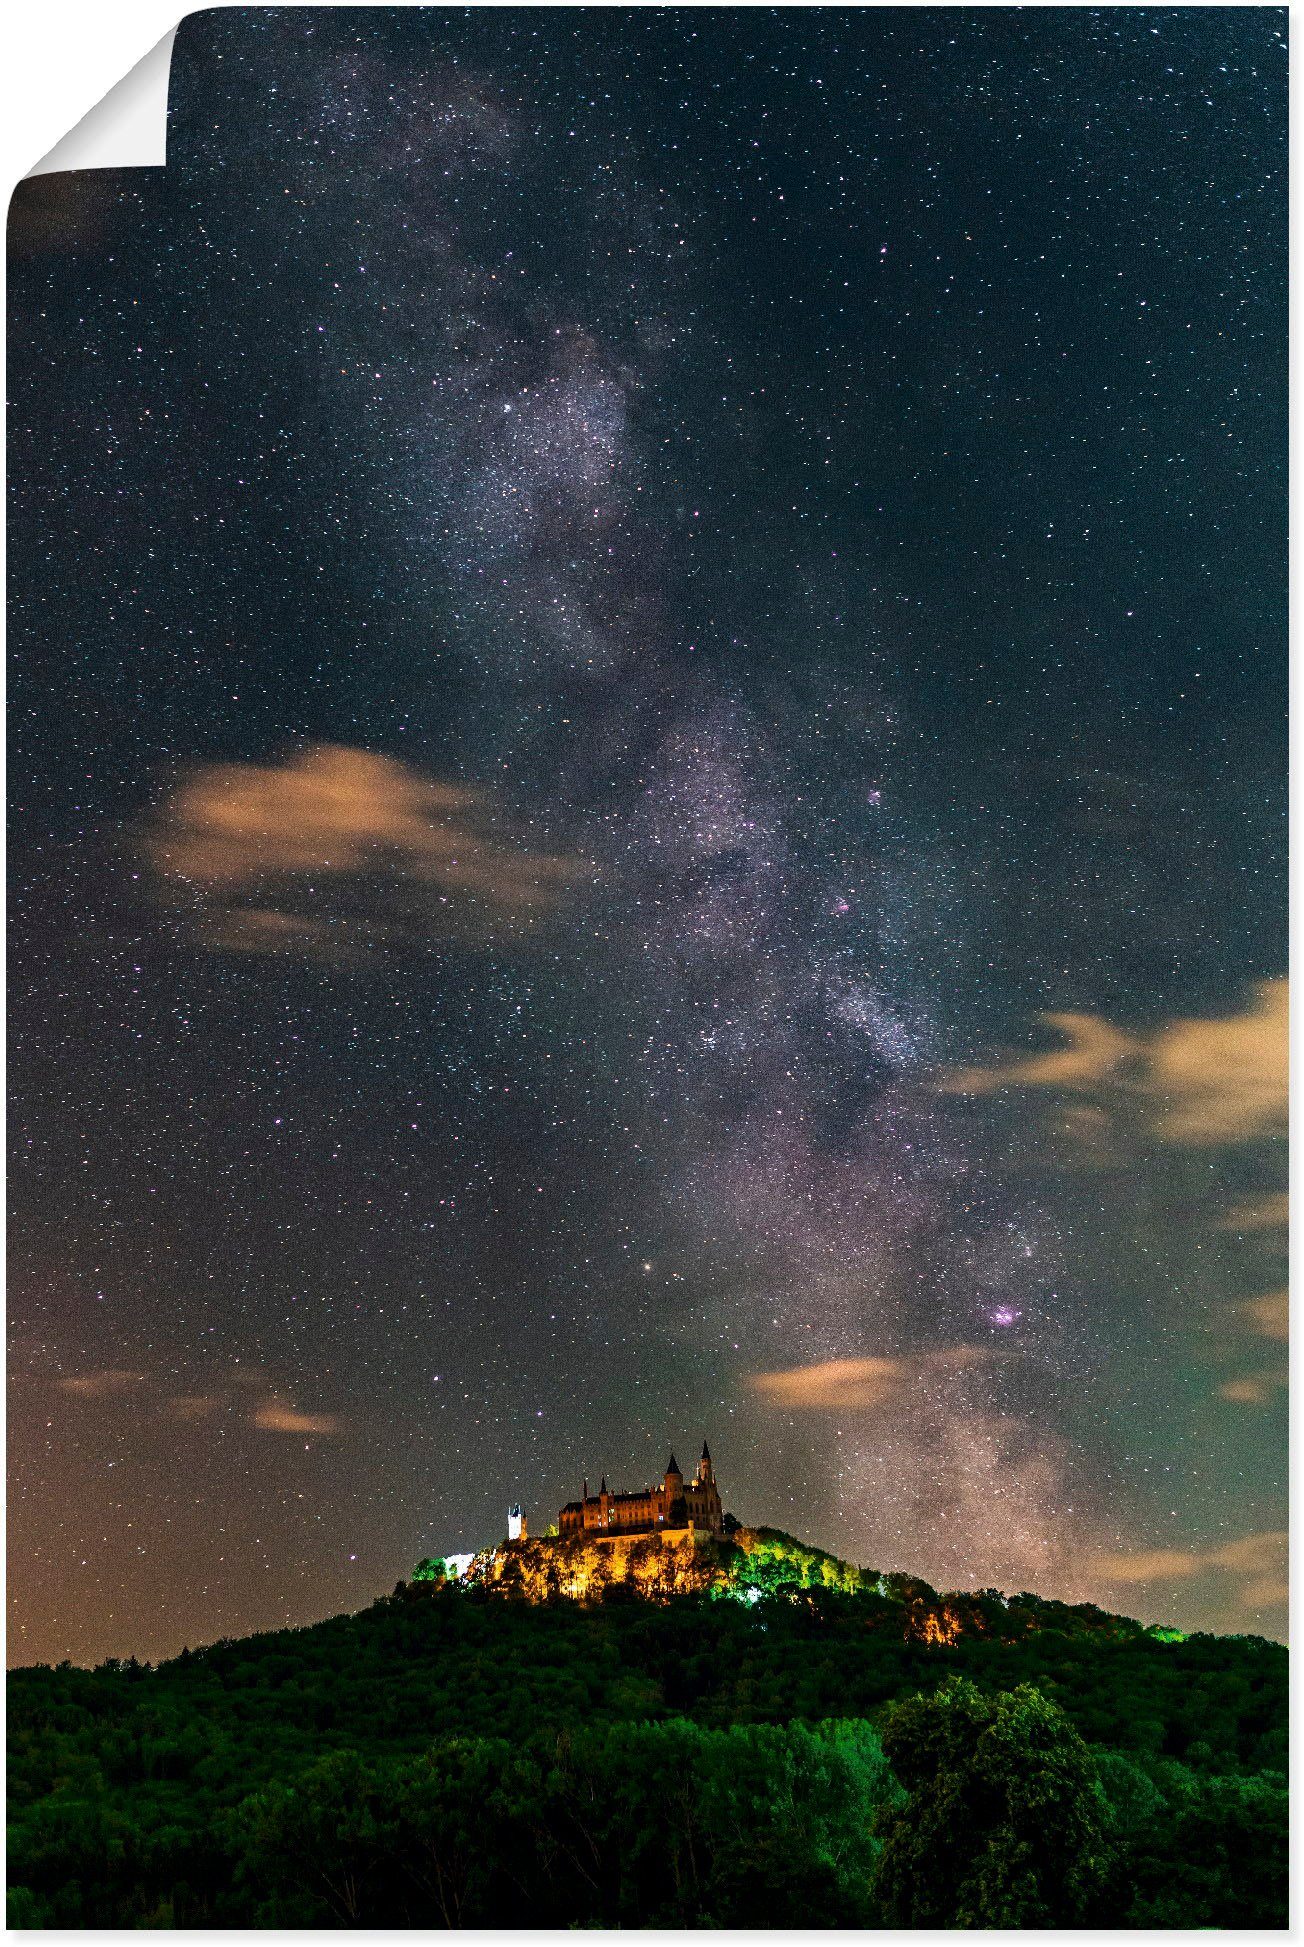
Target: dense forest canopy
(773, 1748)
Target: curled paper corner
(128, 129)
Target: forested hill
(457, 1755)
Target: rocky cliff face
(750, 1563)
(754, 1563)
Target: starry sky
(647, 793)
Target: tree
(1006, 1824)
(320, 1844)
(1200, 1851)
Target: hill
(770, 1746)
(753, 1562)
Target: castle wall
(602, 1516)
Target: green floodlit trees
(747, 1564)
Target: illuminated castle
(676, 1505)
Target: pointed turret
(672, 1467)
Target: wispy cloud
(102, 1385)
(195, 1406)
(278, 1416)
(858, 1382)
(831, 1383)
(1269, 1314)
(1258, 1559)
(1270, 1212)
(1266, 1316)
(334, 849)
(1094, 1051)
(1203, 1082)
(1225, 1080)
(1253, 1388)
(250, 1396)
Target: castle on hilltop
(677, 1505)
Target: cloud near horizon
(1205, 1082)
(1260, 1559)
(334, 850)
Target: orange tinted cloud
(1254, 1389)
(832, 1383)
(102, 1385)
(1257, 1554)
(1221, 1081)
(264, 929)
(1259, 1213)
(278, 1416)
(1203, 1082)
(333, 847)
(858, 1382)
(1148, 1565)
(1269, 1314)
(269, 1410)
(1094, 1051)
(195, 1406)
(1260, 1559)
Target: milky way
(649, 801)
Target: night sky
(647, 801)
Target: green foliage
(1006, 1823)
(767, 1560)
(664, 1824)
(1198, 1850)
(451, 1757)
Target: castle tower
(705, 1471)
(673, 1500)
